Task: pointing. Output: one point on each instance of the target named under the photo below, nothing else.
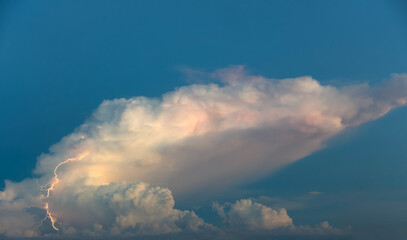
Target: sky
(203, 119)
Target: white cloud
(247, 127)
(248, 214)
(16, 201)
(123, 209)
(195, 139)
(245, 215)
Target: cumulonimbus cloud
(194, 138)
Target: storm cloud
(198, 137)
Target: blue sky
(59, 60)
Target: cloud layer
(198, 137)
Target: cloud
(122, 209)
(245, 215)
(194, 140)
(248, 214)
(116, 209)
(323, 228)
(298, 202)
(247, 126)
(17, 208)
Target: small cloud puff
(248, 214)
(245, 215)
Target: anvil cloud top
(203, 119)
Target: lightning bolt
(51, 185)
(39, 225)
(49, 215)
(56, 179)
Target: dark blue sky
(59, 60)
